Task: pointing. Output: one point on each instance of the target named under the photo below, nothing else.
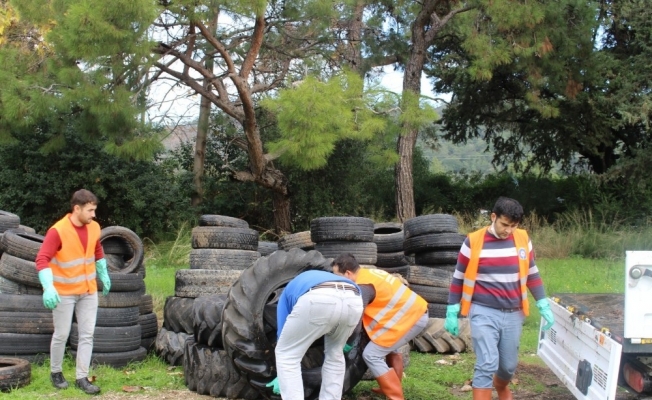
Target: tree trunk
(282, 219)
(200, 148)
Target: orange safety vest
(476, 240)
(72, 268)
(394, 310)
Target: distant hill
(449, 157)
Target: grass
(426, 377)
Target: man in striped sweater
(495, 268)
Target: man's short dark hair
(510, 208)
(346, 262)
(82, 197)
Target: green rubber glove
(544, 309)
(275, 386)
(103, 274)
(451, 324)
(347, 348)
(50, 296)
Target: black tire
(22, 303)
(34, 359)
(7, 286)
(178, 314)
(247, 340)
(190, 365)
(110, 339)
(19, 270)
(146, 305)
(351, 229)
(117, 359)
(8, 221)
(441, 257)
(120, 299)
(364, 252)
(117, 247)
(15, 344)
(389, 243)
(431, 294)
(14, 373)
(21, 244)
(299, 240)
(39, 322)
(267, 248)
(431, 223)
(123, 282)
(126, 316)
(385, 228)
(212, 373)
(219, 237)
(433, 241)
(437, 310)
(207, 320)
(114, 262)
(222, 220)
(389, 260)
(27, 229)
(203, 282)
(170, 346)
(224, 259)
(148, 325)
(402, 270)
(148, 343)
(128, 237)
(428, 276)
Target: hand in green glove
(275, 386)
(451, 324)
(50, 296)
(103, 274)
(544, 309)
(347, 348)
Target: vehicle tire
(431, 294)
(14, 373)
(15, 344)
(437, 310)
(433, 241)
(212, 373)
(117, 359)
(27, 229)
(22, 303)
(222, 220)
(126, 316)
(428, 276)
(388, 237)
(190, 365)
(431, 223)
(247, 339)
(207, 320)
(148, 343)
(222, 259)
(26, 322)
(21, 244)
(178, 314)
(120, 299)
(132, 242)
(203, 282)
(439, 257)
(403, 270)
(219, 237)
(19, 270)
(123, 282)
(299, 240)
(146, 305)
(8, 221)
(350, 229)
(114, 262)
(389, 260)
(170, 345)
(148, 325)
(7, 286)
(364, 252)
(110, 339)
(267, 248)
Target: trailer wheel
(14, 373)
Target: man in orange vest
(393, 315)
(68, 262)
(495, 267)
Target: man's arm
(99, 251)
(534, 282)
(455, 292)
(51, 244)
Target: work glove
(275, 386)
(50, 296)
(103, 274)
(451, 324)
(544, 309)
(347, 348)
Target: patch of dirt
(145, 394)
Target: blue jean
(496, 337)
(332, 313)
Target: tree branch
(254, 49)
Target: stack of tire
(266, 248)
(299, 240)
(222, 247)
(338, 235)
(388, 237)
(434, 241)
(125, 326)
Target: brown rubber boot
(482, 394)
(391, 385)
(394, 360)
(502, 388)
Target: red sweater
(52, 244)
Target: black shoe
(86, 386)
(58, 380)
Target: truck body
(600, 341)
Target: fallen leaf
(177, 373)
(515, 381)
(466, 388)
(131, 389)
(129, 372)
(455, 356)
(443, 362)
(91, 379)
